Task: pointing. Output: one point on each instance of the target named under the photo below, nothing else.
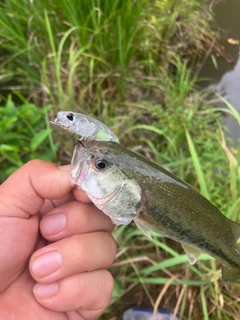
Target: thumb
(25, 191)
(21, 197)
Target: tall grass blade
(147, 127)
(204, 304)
(197, 166)
(233, 111)
(56, 57)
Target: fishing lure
(87, 127)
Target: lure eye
(100, 164)
(70, 116)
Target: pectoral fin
(145, 230)
(192, 253)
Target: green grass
(134, 66)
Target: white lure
(87, 127)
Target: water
(227, 75)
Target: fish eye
(70, 116)
(100, 164)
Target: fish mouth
(58, 122)
(55, 121)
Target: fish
(85, 126)
(127, 187)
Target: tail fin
(230, 275)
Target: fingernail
(54, 223)
(46, 264)
(44, 291)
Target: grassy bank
(134, 66)
(84, 54)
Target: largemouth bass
(127, 187)
(85, 126)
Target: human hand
(53, 253)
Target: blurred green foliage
(24, 136)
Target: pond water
(227, 75)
